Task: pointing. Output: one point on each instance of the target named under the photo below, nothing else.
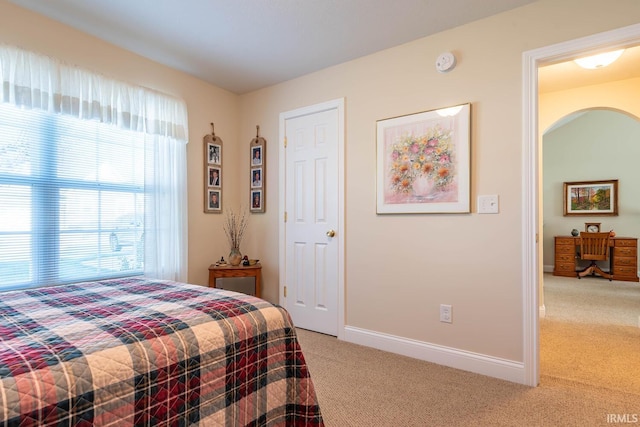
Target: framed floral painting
(423, 162)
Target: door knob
(331, 233)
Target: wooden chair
(594, 247)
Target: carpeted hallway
(590, 333)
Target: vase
(423, 187)
(235, 257)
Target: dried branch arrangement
(234, 226)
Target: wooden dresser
(623, 257)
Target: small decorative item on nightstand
(575, 232)
(234, 228)
(235, 256)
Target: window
(71, 199)
(92, 176)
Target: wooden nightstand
(220, 271)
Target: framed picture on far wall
(214, 177)
(258, 170)
(591, 198)
(256, 178)
(214, 200)
(256, 156)
(214, 153)
(256, 200)
(212, 173)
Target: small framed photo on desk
(592, 227)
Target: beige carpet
(360, 386)
(589, 371)
(606, 356)
(592, 300)
(591, 334)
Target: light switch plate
(488, 204)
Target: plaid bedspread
(144, 352)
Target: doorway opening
(532, 197)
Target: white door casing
(312, 236)
(531, 175)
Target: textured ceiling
(244, 45)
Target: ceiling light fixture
(598, 61)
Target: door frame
(337, 104)
(532, 177)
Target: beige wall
(399, 268)
(623, 95)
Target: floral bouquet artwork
(423, 163)
(422, 168)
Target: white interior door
(312, 228)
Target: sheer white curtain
(33, 81)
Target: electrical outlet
(445, 313)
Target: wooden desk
(623, 257)
(220, 271)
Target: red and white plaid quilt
(148, 352)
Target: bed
(150, 352)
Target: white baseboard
(460, 359)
